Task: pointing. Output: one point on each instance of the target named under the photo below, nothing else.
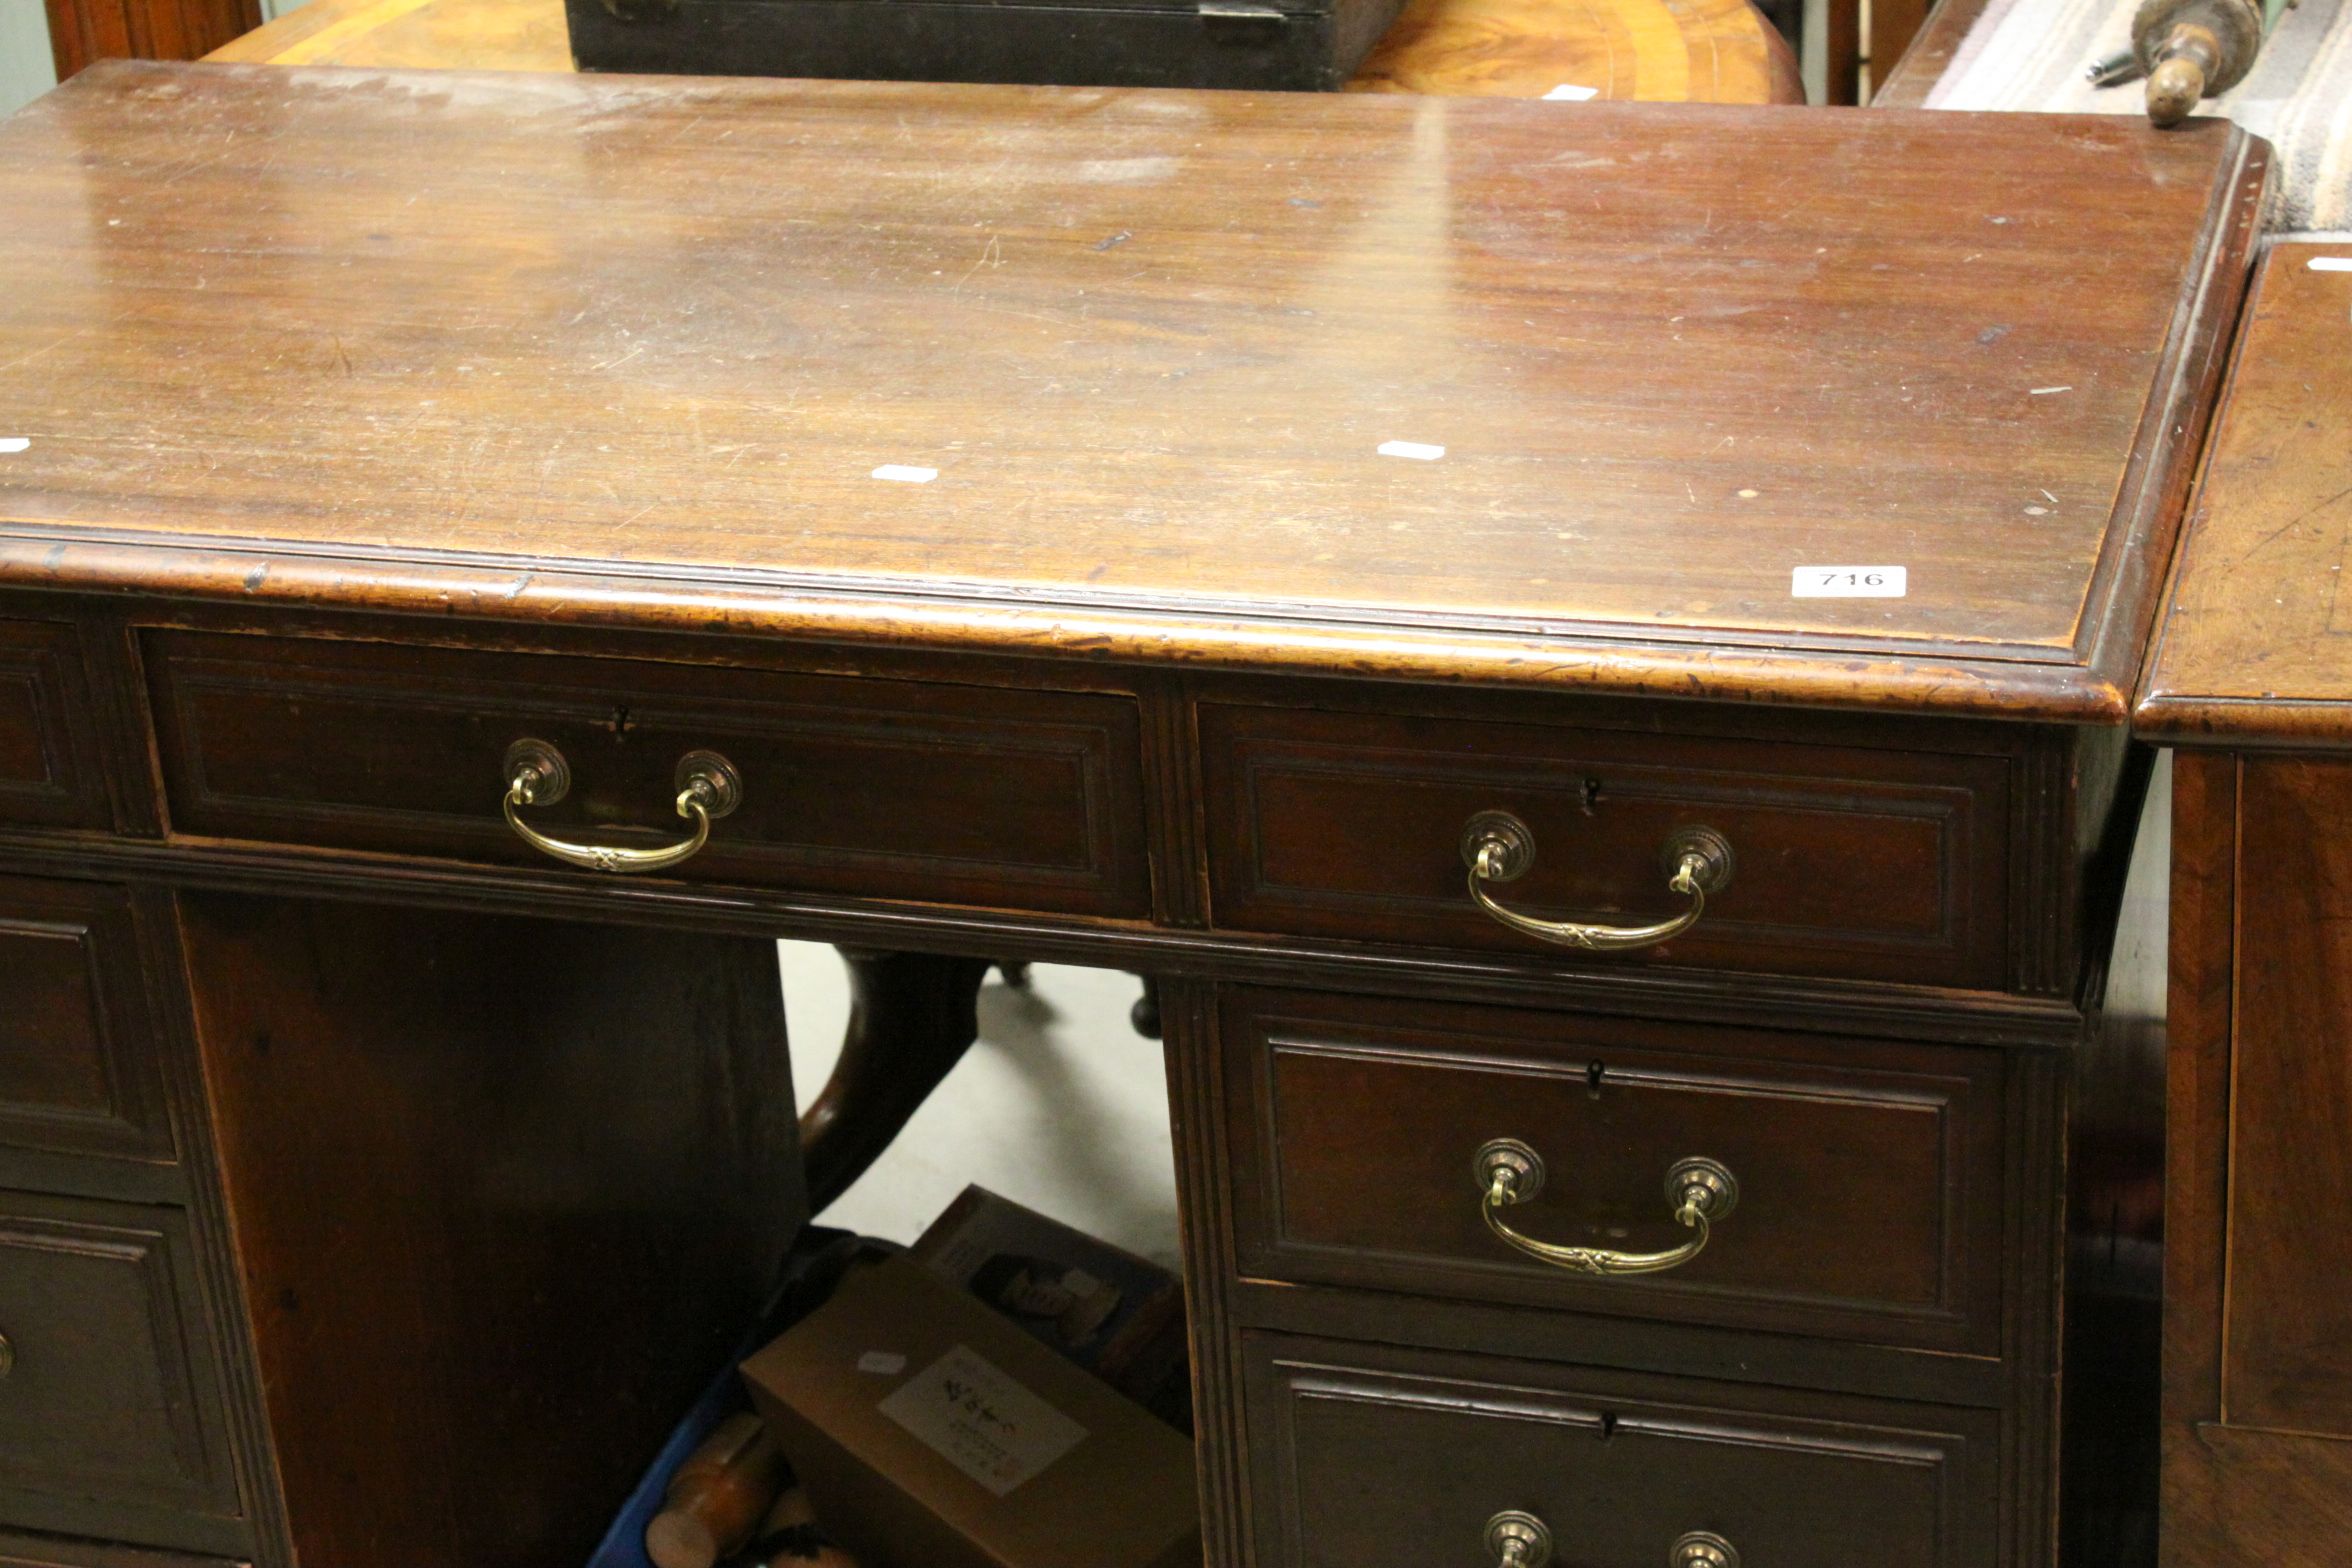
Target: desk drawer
(957, 794)
(1844, 860)
(79, 1068)
(111, 1393)
(1868, 1174)
(48, 765)
(35, 1551)
(1369, 1457)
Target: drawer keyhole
(1592, 1078)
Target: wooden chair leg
(912, 1017)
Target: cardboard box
(931, 1433)
(1109, 1311)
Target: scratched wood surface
(1677, 51)
(1928, 54)
(2256, 642)
(602, 347)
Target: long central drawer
(938, 792)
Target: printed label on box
(981, 1421)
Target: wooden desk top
(1679, 51)
(1930, 54)
(2256, 642)
(650, 352)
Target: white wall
(1061, 1106)
(26, 71)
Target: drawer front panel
(1368, 1457)
(949, 793)
(38, 1551)
(112, 1393)
(1869, 1178)
(1847, 861)
(79, 1070)
(48, 767)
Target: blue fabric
(623, 1545)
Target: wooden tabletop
(2256, 643)
(1695, 51)
(1448, 388)
(1931, 52)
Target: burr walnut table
(2251, 681)
(1587, 646)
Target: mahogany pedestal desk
(1588, 649)
(915, 1014)
(2251, 682)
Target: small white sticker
(981, 1421)
(2046, 391)
(1569, 92)
(882, 1363)
(14, 443)
(2331, 263)
(1420, 450)
(1849, 582)
(906, 473)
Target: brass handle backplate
(1703, 1549)
(1702, 1192)
(7, 1356)
(1518, 1540)
(1499, 848)
(537, 775)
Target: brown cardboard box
(931, 1433)
(1089, 1302)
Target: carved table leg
(1145, 1014)
(912, 1016)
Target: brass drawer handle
(537, 775)
(1498, 848)
(1703, 1549)
(7, 1356)
(1701, 1190)
(1518, 1540)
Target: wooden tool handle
(2191, 49)
(2184, 63)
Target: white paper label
(15, 443)
(1420, 450)
(2331, 263)
(882, 1363)
(1569, 92)
(981, 1421)
(906, 473)
(1849, 582)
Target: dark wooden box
(1280, 44)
